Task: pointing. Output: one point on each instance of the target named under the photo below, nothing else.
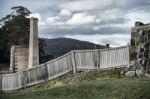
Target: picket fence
(76, 60)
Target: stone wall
(140, 45)
(19, 58)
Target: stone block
(139, 72)
(130, 74)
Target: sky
(97, 21)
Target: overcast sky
(97, 21)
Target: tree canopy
(15, 29)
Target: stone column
(33, 44)
(12, 59)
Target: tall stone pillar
(33, 43)
(12, 59)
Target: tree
(14, 31)
(41, 50)
(16, 25)
(4, 53)
(16, 28)
(21, 11)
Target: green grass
(90, 85)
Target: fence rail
(77, 60)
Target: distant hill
(61, 46)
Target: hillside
(89, 85)
(60, 46)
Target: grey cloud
(47, 8)
(120, 20)
(59, 32)
(111, 4)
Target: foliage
(61, 46)
(21, 11)
(15, 30)
(3, 46)
(43, 58)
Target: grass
(89, 85)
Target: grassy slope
(87, 86)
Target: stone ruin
(33, 44)
(140, 47)
(19, 58)
(22, 57)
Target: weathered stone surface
(19, 58)
(139, 72)
(12, 58)
(33, 43)
(133, 66)
(130, 74)
(122, 72)
(140, 46)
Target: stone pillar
(12, 58)
(33, 43)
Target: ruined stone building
(22, 57)
(19, 58)
(140, 45)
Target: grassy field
(87, 85)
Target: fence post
(46, 72)
(73, 62)
(98, 60)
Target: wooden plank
(129, 55)
(73, 61)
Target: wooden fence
(102, 59)
(77, 60)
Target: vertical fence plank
(129, 55)
(73, 62)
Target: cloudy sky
(97, 21)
